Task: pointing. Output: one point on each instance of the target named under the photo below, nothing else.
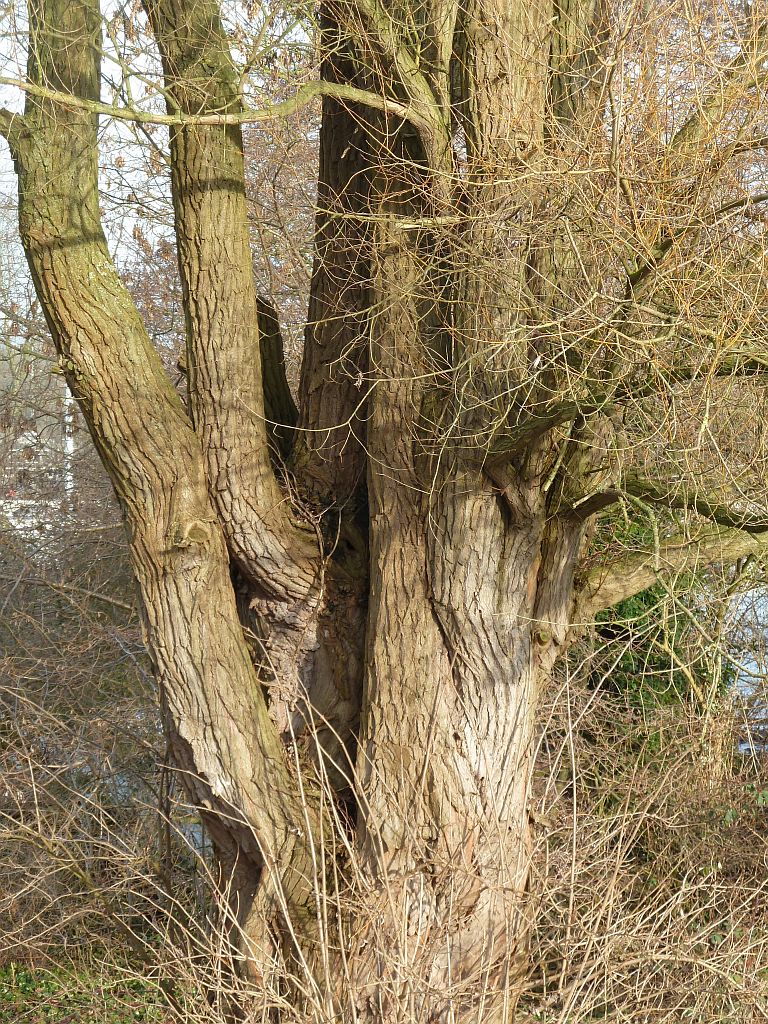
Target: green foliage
(752, 809)
(56, 996)
(644, 671)
(658, 660)
(654, 655)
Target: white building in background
(36, 423)
(37, 414)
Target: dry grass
(649, 899)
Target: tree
(537, 239)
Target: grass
(81, 995)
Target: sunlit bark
(407, 537)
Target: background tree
(538, 270)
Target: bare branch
(285, 108)
(675, 496)
(92, 595)
(9, 123)
(695, 224)
(742, 74)
(609, 584)
(530, 427)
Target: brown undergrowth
(648, 899)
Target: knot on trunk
(193, 531)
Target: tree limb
(249, 115)
(513, 439)
(529, 427)
(609, 584)
(225, 745)
(6, 121)
(10, 125)
(226, 386)
(681, 499)
(741, 73)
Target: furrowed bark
(334, 374)
(328, 461)
(506, 81)
(279, 407)
(424, 339)
(576, 76)
(228, 752)
(472, 580)
(221, 304)
(469, 610)
(307, 602)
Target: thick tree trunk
(224, 743)
(470, 582)
(412, 548)
(471, 592)
(472, 573)
(330, 460)
(304, 574)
